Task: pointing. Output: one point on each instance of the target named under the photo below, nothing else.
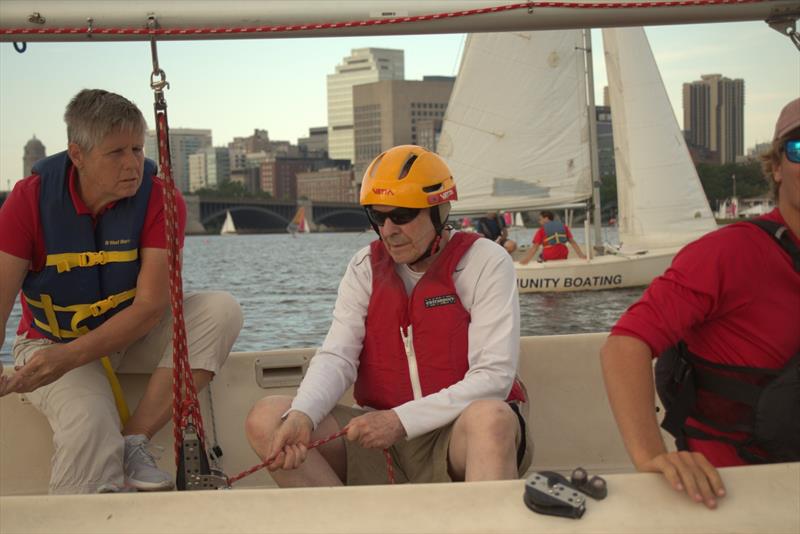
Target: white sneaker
(140, 467)
(113, 488)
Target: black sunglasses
(398, 216)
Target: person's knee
(265, 416)
(491, 418)
(224, 310)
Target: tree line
(717, 181)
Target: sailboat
(228, 228)
(571, 421)
(530, 146)
(299, 223)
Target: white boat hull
(570, 420)
(603, 272)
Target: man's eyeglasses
(792, 150)
(398, 216)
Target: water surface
(287, 288)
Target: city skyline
(279, 85)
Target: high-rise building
(316, 142)
(605, 142)
(33, 152)
(364, 65)
(183, 142)
(713, 116)
(398, 112)
(208, 168)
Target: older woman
(84, 239)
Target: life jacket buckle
(102, 306)
(90, 259)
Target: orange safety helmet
(408, 176)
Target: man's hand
(690, 472)
(376, 430)
(45, 367)
(289, 445)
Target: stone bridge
(206, 214)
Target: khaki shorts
(80, 408)
(420, 460)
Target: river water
(287, 288)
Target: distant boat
(228, 228)
(299, 224)
(528, 147)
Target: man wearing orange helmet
(426, 329)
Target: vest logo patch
(111, 242)
(443, 300)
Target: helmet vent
(432, 188)
(375, 164)
(407, 167)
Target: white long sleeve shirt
(485, 282)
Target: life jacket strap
(64, 262)
(79, 312)
(556, 238)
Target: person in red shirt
(552, 235)
(83, 238)
(732, 297)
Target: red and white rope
(22, 32)
(315, 444)
(185, 406)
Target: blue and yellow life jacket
(90, 272)
(555, 233)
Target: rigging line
(529, 6)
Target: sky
(234, 87)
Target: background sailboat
(515, 131)
(659, 195)
(228, 228)
(517, 136)
(299, 223)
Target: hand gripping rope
(190, 453)
(342, 432)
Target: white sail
(228, 228)
(661, 201)
(515, 131)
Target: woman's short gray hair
(92, 114)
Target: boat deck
(760, 499)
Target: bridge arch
(220, 213)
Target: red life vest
(438, 322)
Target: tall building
(183, 142)
(33, 152)
(605, 142)
(713, 116)
(316, 142)
(208, 168)
(364, 65)
(398, 112)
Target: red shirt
(734, 297)
(552, 252)
(22, 234)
